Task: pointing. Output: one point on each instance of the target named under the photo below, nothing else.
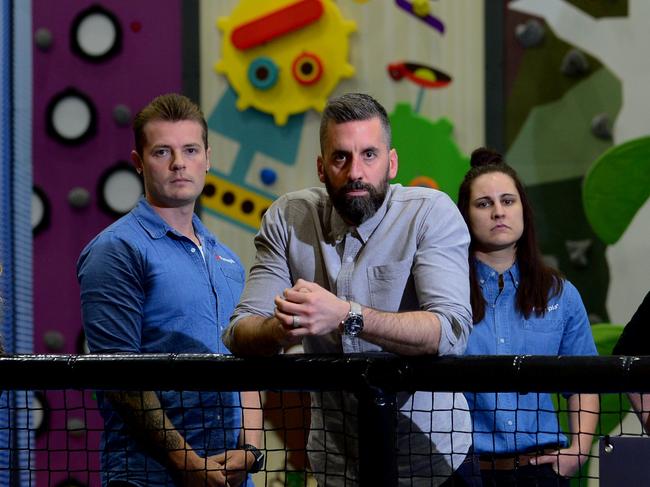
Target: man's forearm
(143, 414)
(409, 333)
(256, 335)
(252, 419)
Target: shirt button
(348, 259)
(193, 250)
(509, 422)
(501, 340)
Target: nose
(498, 211)
(177, 161)
(355, 173)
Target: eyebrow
(168, 146)
(371, 148)
(486, 197)
(160, 146)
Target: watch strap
(355, 308)
(259, 457)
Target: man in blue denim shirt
(157, 281)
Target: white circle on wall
(40, 212)
(96, 34)
(121, 190)
(71, 117)
(38, 412)
(38, 209)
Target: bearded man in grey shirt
(364, 266)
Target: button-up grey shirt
(411, 255)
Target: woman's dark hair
(537, 281)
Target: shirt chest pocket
(387, 284)
(234, 282)
(542, 336)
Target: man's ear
(137, 161)
(393, 164)
(320, 168)
(207, 158)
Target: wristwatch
(259, 457)
(353, 324)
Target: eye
(483, 204)
(160, 152)
(508, 201)
(339, 157)
(369, 155)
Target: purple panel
(149, 64)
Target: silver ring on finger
(295, 322)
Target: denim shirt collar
(485, 273)
(339, 228)
(157, 228)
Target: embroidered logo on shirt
(553, 307)
(225, 259)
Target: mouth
(356, 192)
(501, 227)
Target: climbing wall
(573, 93)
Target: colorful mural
(286, 58)
(270, 85)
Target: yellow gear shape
(291, 72)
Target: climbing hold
(601, 126)
(575, 63)
(530, 34)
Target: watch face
(353, 325)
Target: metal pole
(377, 438)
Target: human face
(174, 163)
(495, 213)
(356, 166)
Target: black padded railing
(375, 377)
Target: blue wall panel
(15, 230)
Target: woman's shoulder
(568, 300)
(568, 289)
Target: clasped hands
(307, 309)
(227, 469)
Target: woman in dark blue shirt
(520, 306)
